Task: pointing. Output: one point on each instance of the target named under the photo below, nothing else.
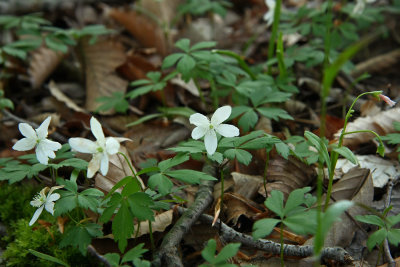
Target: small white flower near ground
(360, 6)
(100, 149)
(269, 16)
(45, 148)
(41, 201)
(208, 128)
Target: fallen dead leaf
(161, 221)
(44, 61)
(60, 96)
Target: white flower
(387, 100)
(42, 201)
(360, 5)
(208, 128)
(101, 149)
(269, 16)
(37, 138)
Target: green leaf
(203, 45)
(170, 60)
(275, 203)
(295, 199)
(113, 259)
(131, 187)
(116, 101)
(47, 257)
(177, 111)
(393, 220)
(6, 103)
(333, 213)
(111, 207)
(371, 219)
(76, 163)
(134, 253)
(190, 176)
(226, 253)
(393, 236)
(274, 113)
(241, 155)
(55, 44)
(208, 252)
(80, 236)
(347, 153)
(144, 118)
(376, 238)
(169, 163)
(161, 182)
(248, 120)
(186, 65)
(183, 44)
(264, 227)
(139, 204)
(67, 202)
(88, 202)
(122, 226)
(302, 223)
(282, 149)
(323, 150)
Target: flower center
(100, 149)
(211, 126)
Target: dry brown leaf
(161, 221)
(118, 170)
(247, 185)
(381, 123)
(377, 64)
(100, 61)
(44, 61)
(237, 205)
(287, 175)
(60, 96)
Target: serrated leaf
(122, 226)
(208, 252)
(190, 176)
(134, 253)
(241, 155)
(88, 202)
(79, 236)
(111, 207)
(274, 113)
(170, 60)
(275, 203)
(264, 227)
(371, 219)
(161, 182)
(169, 163)
(186, 65)
(202, 45)
(295, 199)
(67, 202)
(183, 44)
(376, 238)
(226, 253)
(248, 120)
(139, 204)
(113, 259)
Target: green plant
(134, 256)
(393, 138)
(5, 102)
(220, 259)
(200, 7)
(385, 228)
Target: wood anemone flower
(208, 128)
(41, 201)
(37, 139)
(100, 149)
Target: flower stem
(132, 170)
(271, 44)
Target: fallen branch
(230, 235)
(167, 254)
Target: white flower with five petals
(100, 149)
(37, 138)
(41, 201)
(269, 16)
(208, 128)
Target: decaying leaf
(161, 221)
(246, 185)
(376, 64)
(44, 61)
(60, 96)
(236, 206)
(287, 175)
(381, 123)
(381, 169)
(356, 185)
(118, 170)
(100, 61)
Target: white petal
(220, 115)
(50, 145)
(94, 165)
(42, 131)
(112, 145)
(97, 130)
(199, 120)
(36, 215)
(42, 155)
(49, 206)
(24, 144)
(199, 132)
(53, 197)
(27, 130)
(227, 130)
(211, 142)
(83, 145)
(104, 164)
(36, 203)
(122, 139)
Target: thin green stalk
(282, 262)
(272, 39)
(131, 168)
(265, 171)
(214, 93)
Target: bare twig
(230, 235)
(167, 254)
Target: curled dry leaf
(100, 61)
(60, 96)
(118, 170)
(287, 175)
(237, 205)
(382, 169)
(357, 186)
(377, 64)
(161, 221)
(381, 123)
(43, 62)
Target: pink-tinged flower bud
(387, 100)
